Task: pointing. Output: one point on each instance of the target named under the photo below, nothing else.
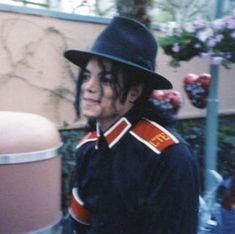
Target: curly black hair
(129, 78)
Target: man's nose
(92, 85)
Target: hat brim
(80, 58)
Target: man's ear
(135, 93)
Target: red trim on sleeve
(77, 209)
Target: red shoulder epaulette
(153, 135)
(91, 136)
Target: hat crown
(129, 40)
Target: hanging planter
(213, 40)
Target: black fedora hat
(126, 41)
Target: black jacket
(138, 178)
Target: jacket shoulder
(89, 137)
(153, 135)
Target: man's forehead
(98, 63)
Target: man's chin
(90, 115)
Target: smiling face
(98, 98)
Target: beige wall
(32, 67)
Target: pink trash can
(30, 174)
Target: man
(133, 174)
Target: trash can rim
(26, 157)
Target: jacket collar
(115, 132)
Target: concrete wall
(34, 73)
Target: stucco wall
(33, 67)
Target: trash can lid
(22, 132)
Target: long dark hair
(130, 78)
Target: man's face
(98, 99)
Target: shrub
(193, 131)
(70, 139)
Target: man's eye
(85, 77)
(106, 79)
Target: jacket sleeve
(75, 221)
(173, 200)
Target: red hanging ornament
(197, 88)
(167, 100)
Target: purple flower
(175, 48)
(205, 55)
(219, 37)
(228, 55)
(199, 23)
(211, 42)
(232, 34)
(231, 24)
(197, 46)
(205, 34)
(216, 60)
(189, 28)
(218, 24)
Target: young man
(133, 174)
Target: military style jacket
(138, 177)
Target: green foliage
(186, 46)
(193, 131)
(60, 92)
(226, 150)
(70, 139)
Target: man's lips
(90, 101)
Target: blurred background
(35, 77)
